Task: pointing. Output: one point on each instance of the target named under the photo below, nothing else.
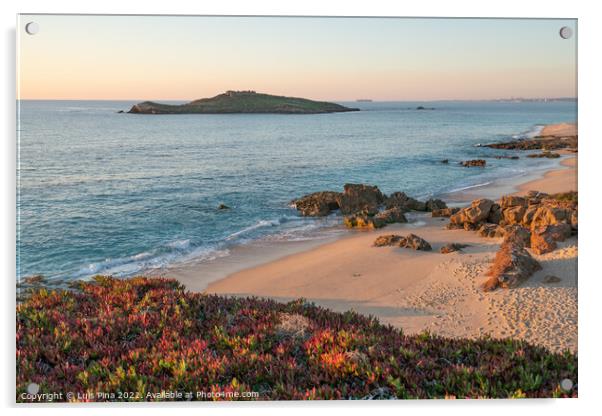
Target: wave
(529, 134)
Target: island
(233, 102)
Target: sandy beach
(419, 291)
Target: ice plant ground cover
(141, 338)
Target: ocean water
(108, 193)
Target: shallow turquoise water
(102, 192)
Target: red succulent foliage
(140, 338)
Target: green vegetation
(571, 196)
(242, 102)
(136, 338)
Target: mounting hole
(566, 32)
(32, 28)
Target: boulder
(317, 204)
(514, 214)
(512, 201)
(451, 247)
(388, 240)
(529, 213)
(476, 162)
(359, 197)
(403, 201)
(415, 242)
(517, 234)
(574, 222)
(477, 212)
(391, 215)
(512, 265)
(549, 215)
(491, 231)
(433, 204)
(543, 239)
(363, 219)
(444, 212)
(549, 155)
(495, 214)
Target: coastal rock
(549, 215)
(574, 221)
(543, 239)
(387, 240)
(363, 220)
(360, 197)
(507, 157)
(317, 204)
(405, 202)
(444, 212)
(415, 242)
(547, 143)
(391, 215)
(517, 234)
(529, 213)
(451, 247)
(475, 162)
(478, 211)
(514, 214)
(512, 265)
(509, 201)
(491, 231)
(433, 204)
(549, 155)
(495, 214)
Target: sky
(338, 59)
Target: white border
(589, 172)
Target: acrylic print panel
(377, 208)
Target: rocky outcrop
(547, 143)
(512, 265)
(410, 241)
(360, 197)
(392, 215)
(434, 204)
(477, 213)
(318, 204)
(548, 155)
(517, 234)
(543, 239)
(363, 220)
(415, 242)
(405, 202)
(445, 212)
(451, 247)
(491, 231)
(475, 162)
(387, 240)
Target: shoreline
(417, 291)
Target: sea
(102, 192)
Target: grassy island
(233, 102)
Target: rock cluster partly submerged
(364, 206)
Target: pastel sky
(184, 58)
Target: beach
(419, 291)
